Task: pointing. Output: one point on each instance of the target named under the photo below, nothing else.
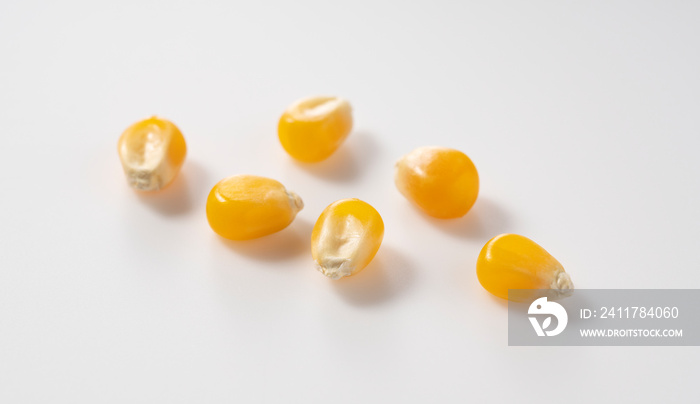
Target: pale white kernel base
(561, 285)
(316, 108)
(335, 267)
(295, 201)
(149, 171)
(143, 180)
(342, 249)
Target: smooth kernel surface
(313, 128)
(151, 152)
(244, 207)
(511, 261)
(442, 182)
(346, 237)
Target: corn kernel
(152, 152)
(442, 182)
(346, 237)
(510, 261)
(313, 128)
(244, 207)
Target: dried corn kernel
(152, 152)
(346, 237)
(442, 182)
(313, 128)
(244, 207)
(510, 261)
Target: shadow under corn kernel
(348, 162)
(498, 301)
(388, 275)
(179, 196)
(289, 242)
(484, 220)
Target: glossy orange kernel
(313, 128)
(152, 152)
(442, 182)
(510, 261)
(244, 207)
(346, 237)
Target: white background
(582, 120)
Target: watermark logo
(542, 306)
(604, 317)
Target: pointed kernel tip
(295, 200)
(143, 180)
(334, 275)
(562, 285)
(343, 103)
(563, 281)
(335, 268)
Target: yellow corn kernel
(244, 207)
(346, 237)
(510, 261)
(313, 128)
(152, 152)
(443, 182)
